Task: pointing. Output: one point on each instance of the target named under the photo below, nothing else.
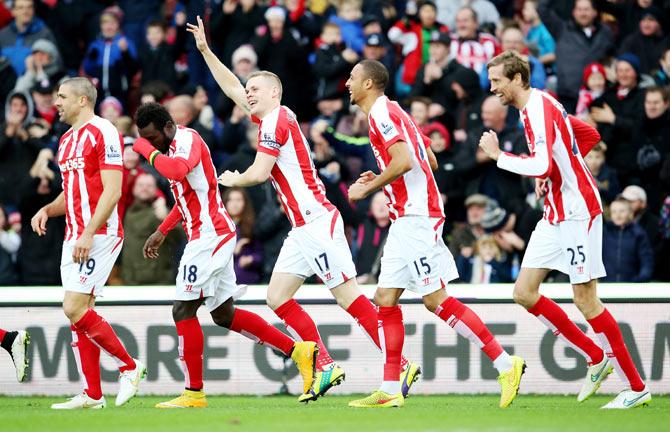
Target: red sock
(365, 314)
(191, 347)
(558, 322)
(256, 328)
(468, 324)
(103, 335)
(392, 338)
(87, 355)
(608, 331)
(302, 327)
(2, 334)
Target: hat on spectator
(45, 46)
(634, 193)
(652, 12)
(113, 102)
(375, 40)
(591, 69)
(632, 60)
(43, 87)
(440, 37)
(245, 52)
(275, 12)
(113, 11)
(439, 128)
(477, 199)
(495, 218)
(369, 19)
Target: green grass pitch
(283, 413)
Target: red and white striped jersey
(572, 192)
(474, 53)
(197, 195)
(97, 145)
(294, 177)
(415, 192)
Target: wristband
(153, 156)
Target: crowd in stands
(607, 61)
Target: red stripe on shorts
(223, 241)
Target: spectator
(378, 48)
(248, 254)
(419, 107)
(414, 36)
(203, 110)
(485, 10)
(140, 221)
(648, 221)
(271, 229)
(594, 83)
(627, 13)
(579, 41)
(465, 235)
(606, 178)
(506, 229)
(131, 171)
(111, 59)
(662, 75)
(182, 110)
(40, 256)
(43, 65)
(469, 46)
(10, 242)
(483, 264)
(647, 42)
(653, 134)
(538, 37)
(279, 52)
(481, 173)
(616, 113)
(7, 79)
(332, 65)
(157, 59)
(627, 253)
(512, 39)
(17, 149)
(348, 18)
(244, 64)
(139, 13)
(16, 40)
(235, 27)
(370, 238)
(663, 252)
(445, 81)
(45, 111)
(111, 109)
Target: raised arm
(229, 83)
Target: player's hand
(366, 177)
(540, 188)
(199, 35)
(357, 191)
(39, 222)
(82, 248)
(228, 178)
(489, 143)
(150, 249)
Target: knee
(586, 302)
(74, 311)
(524, 297)
(384, 298)
(275, 299)
(179, 311)
(224, 316)
(431, 304)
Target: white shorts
(320, 248)
(206, 270)
(415, 256)
(573, 247)
(90, 277)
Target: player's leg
(616, 352)
(16, 344)
(257, 329)
(87, 355)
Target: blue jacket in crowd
(627, 253)
(17, 46)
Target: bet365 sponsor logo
(72, 164)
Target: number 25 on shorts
(573, 255)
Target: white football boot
(594, 377)
(18, 353)
(129, 382)
(81, 401)
(629, 399)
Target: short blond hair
(82, 87)
(271, 76)
(513, 64)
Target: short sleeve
(388, 127)
(109, 148)
(272, 135)
(188, 147)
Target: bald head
(494, 113)
(181, 109)
(512, 39)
